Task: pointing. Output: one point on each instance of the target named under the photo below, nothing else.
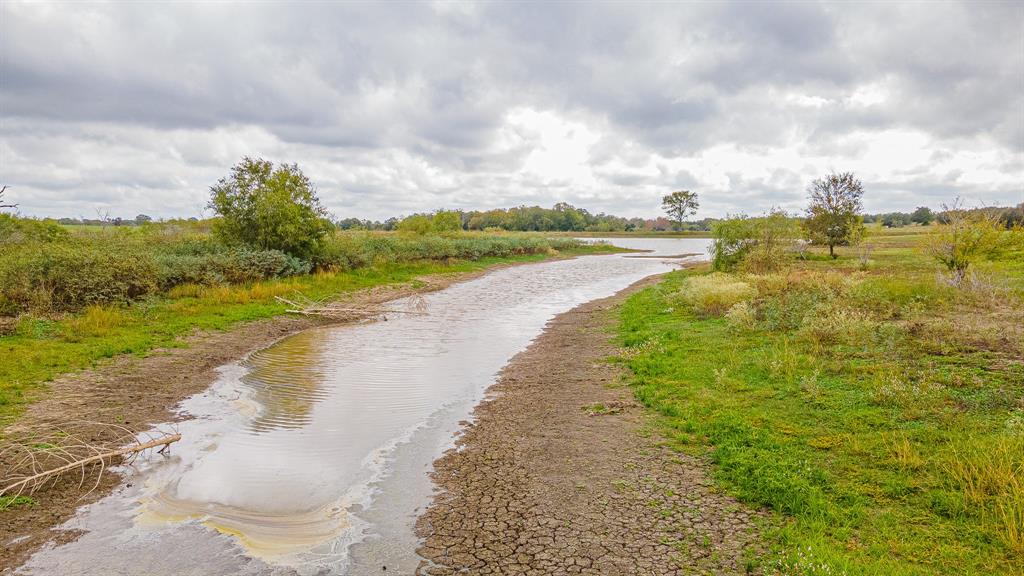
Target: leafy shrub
(967, 236)
(56, 271)
(416, 224)
(447, 221)
(22, 230)
(233, 266)
(732, 241)
(713, 294)
(753, 244)
(64, 277)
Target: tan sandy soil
(544, 483)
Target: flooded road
(312, 456)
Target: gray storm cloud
(398, 107)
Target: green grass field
(877, 410)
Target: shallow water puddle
(312, 456)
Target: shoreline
(141, 392)
(559, 473)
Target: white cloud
(399, 108)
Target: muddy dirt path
(140, 392)
(546, 481)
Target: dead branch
(2, 190)
(416, 306)
(368, 310)
(36, 456)
(37, 479)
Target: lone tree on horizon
(678, 205)
(833, 218)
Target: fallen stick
(31, 480)
(351, 311)
(361, 310)
(288, 302)
(317, 308)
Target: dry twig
(416, 305)
(38, 457)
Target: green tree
(447, 221)
(1013, 218)
(896, 220)
(923, 215)
(833, 218)
(680, 204)
(416, 224)
(966, 236)
(569, 217)
(270, 208)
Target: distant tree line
(562, 217)
(924, 216)
(103, 220)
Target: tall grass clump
(989, 473)
(714, 294)
(830, 324)
(94, 321)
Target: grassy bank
(46, 268)
(878, 410)
(43, 342)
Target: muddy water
(312, 456)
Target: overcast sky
(395, 108)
